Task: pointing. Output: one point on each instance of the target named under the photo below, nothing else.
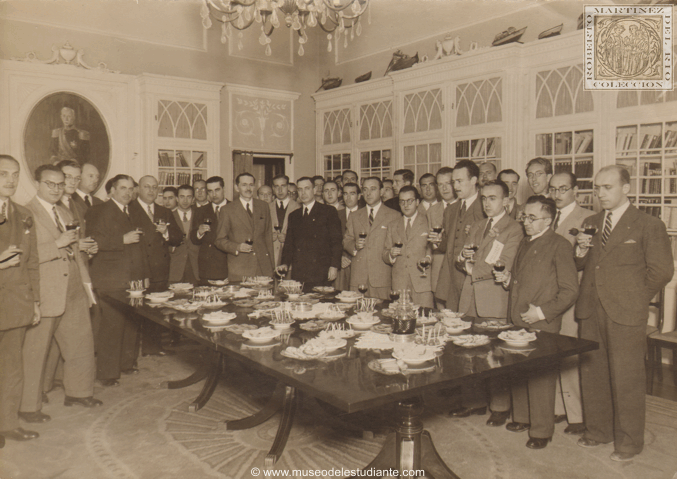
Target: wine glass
(499, 266)
(73, 225)
(590, 230)
(208, 222)
(472, 248)
(277, 228)
(424, 263)
(249, 241)
(394, 295)
(362, 288)
(437, 229)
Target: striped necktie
(3, 213)
(488, 228)
(371, 216)
(607, 229)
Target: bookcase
(480, 150)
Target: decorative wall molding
(68, 55)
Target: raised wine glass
(424, 263)
(499, 266)
(362, 288)
(590, 230)
(394, 295)
(73, 225)
(437, 229)
(399, 244)
(249, 241)
(472, 248)
(208, 221)
(277, 228)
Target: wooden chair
(655, 340)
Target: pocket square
(384, 227)
(424, 234)
(630, 241)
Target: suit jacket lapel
(244, 216)
(420, 226)
(43, 217)
(620, 232)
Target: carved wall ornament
(261, 117)
(67, 55)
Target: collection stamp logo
(628, 47)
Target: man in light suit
(624, 265)
(280, 210)
(245, 232)
(371, 222)
(569, 215)
(312, 248)
(183, 265)
(64, 304)
(212, 262)
(484, 299)
(121, 259)
(19, 297)
(512, 179)
(457, 221)
(351, 197)
(406, 247)
(543, 284)
(436, 216)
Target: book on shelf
(583, 168)
(563, 166)
(562, 145)
(671, 138)
(629, 165)
(624, 141)
(651, 142)
(544, 145)
(491, 147)
(478, 148)
(585, 143)
(182, 159)
(199, 160)
(462, 149)
(163, 159)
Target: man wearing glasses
(539, 172)
(543, 284)
(569, 216)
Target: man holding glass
(212, 262)
(625, 264)
(407, 250)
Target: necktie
(462, 208)
(407, 229)
(126, 211)
(150, 213)
(87, 201)
(249, 210)
(216, 210)
(280, 205)
(371, 216)
(488, 228)
(185, 217)
(56, 218)
(607, 229)
(556, 224)
(305, 211)
(3, 213)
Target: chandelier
(336, 17)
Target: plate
(313, 326)
(253, 335)
(324, 289)
(382, 328)
(218, 282)
(331, 317)
(425, 320)
(361, 325)
(181, 286)
(240, 328)
(218, 318)
(350, 298)
(471, 340)
(517, 339)
(158, 299)
(282, 327)
(412, 358)
(492, 326)
(253, 345)
(267, 305)
(135, 293)
(376, 365)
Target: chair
(655, 340)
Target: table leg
(273, 405)
(213, 371)
(411, 448)
(196, 377)
(288, 410)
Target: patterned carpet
(145, 431)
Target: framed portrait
(66, 126)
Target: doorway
(264, 166)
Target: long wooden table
(347, 382)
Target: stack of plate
(218, 318)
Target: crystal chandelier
(335, 17)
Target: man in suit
(569, 215)
(387, 191)
(400, 178)
(245, 232)
(406, 247)
(280, 210)
(200, 188)
(351, 197)
(512, 179)
(428, 186)
(444, 182)
(318, 186)
(457, 221)
(487, 173)
(212, 262)
(293, 192)
(539, 172)
(312, 248)
(84, 197)
(121, 259)
(184, 258)
(64, 304)
(265, 194)
(331, 194)
(170, 198)
(543, 284)
(484, 299)
(19, 297)
(349, 176)
(364, 240)
(160, 232)
(624, 265)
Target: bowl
(517, 343)
(414, 357)
(281, 326)
(136, 293)
(361, 325)
(261, 335)
(293, 296)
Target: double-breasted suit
(368, 266)
(543, 274)
(291, 206)
(19, 289)
(64, 310)
(415, 247)
(482, 296)
(186, 254)
(235, 227)
(313, 244)
(212, 262)
(619, 280)
(451, 279)
(112, 268)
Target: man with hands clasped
(543, 284)
(406, 248)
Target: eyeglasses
(71, 178)
(562, 190)
(408, 202)
(537, 174)
(53, 186)
(529, 218)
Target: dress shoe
(517, 426)
(498, 418)
(34, 417)
(86, 402)
(560, 418)
(19, 434)
(585, 442)
(109, 382)
(131, 371)
(538, 442)
(468, 411)
(622, 456)
(576, 428)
